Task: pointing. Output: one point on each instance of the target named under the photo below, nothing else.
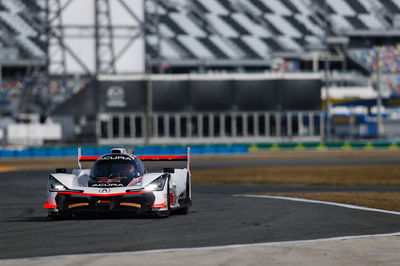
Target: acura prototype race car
(119, 182)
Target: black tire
(165, 214)
(58, 216)
(185, 210)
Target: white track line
(349, 206)
(266, 244)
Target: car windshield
(114, 168)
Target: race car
(119, 182)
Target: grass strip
(380, 200)
(309, 175)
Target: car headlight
(157, 184)
(55, 185)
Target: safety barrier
(40, 152)
(71, 151)
(330, 145)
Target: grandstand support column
(315, 61)
(326, 74)
(379, 122)
(157, 30)
(152, 34)
(327, 99)
(56, 62)
(352, 119)
(104, 38)
(149, 105)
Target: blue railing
(72, 151)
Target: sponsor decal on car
(104, 190)
(116, 157)
(107, 185)
(135, 181)
(110, 180)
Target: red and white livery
(119, 182)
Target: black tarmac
(216, 218)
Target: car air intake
(118, 150)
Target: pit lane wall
(71, 151)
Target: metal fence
(209, 127)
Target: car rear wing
(152, 158)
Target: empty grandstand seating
(229, 29)
(253, 29)
(13, 20)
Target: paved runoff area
(372, 250)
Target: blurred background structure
(198, 71)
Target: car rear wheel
(185, 209)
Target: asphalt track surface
(216, 218)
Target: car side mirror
(169, 170)
(61, 170)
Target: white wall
(32, 134)
(81, 12)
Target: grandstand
(212, 33)
(51, 50)
(220, 33)
(251, 33)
